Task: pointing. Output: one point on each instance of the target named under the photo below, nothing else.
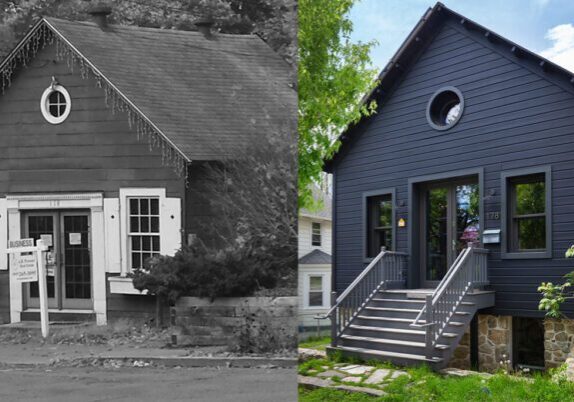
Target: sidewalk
(27, 355)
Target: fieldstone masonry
(494, 341)
(558, 341)
(461, 356)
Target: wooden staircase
(391, 324)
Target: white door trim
(92, 201)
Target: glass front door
(449, 222)
(68, 260)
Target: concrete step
(403, 359)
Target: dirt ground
(64, 384)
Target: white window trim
(125, 194)
(306, 288)
(44, 104)
(320, 235)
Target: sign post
(31, 268)
(43, 285)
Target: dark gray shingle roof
(208, 96)
(315, 257)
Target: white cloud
(562, 50)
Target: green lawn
(425, 385)
(314, 342)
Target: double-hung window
(315, 294)
(316, 234)
(527, 218)
(144, 229)
(380, 223)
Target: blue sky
(543, 26)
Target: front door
(449, 221)
(68, 259)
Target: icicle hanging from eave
(44, 36)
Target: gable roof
(315, 257)
(415, 44)
(203, 97)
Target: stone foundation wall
(236, 321)
(558, 341)
(494, 341)
(461, 356)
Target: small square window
(316, 234)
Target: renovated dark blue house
(454, 202)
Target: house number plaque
(493, 215)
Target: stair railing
(469, 271)
(386, 269)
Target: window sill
(526, 255)
(123, 285)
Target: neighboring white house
(314, 264)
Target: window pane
(136, 260)
(134, 206)
(155, 243)
(146, 243)
(531, 233)
(144, 206)
(54, 97)
(154, 206)
(379, 223)
(315, 299)
(144, 225)
(155, 224)
(316, 283)
(54, 110)
(136, 243)
(134, 225)
(385, 213)
(530, 198)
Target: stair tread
(414, 301)
(391, 341)
(408, 320)
(406, 310)
(390, 354)
(398, 330)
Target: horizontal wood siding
(93, 150)
(513, 118)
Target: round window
(55, 104)
(445, 108)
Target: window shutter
(112, 233)
(170, 226)
(3, 234)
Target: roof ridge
(151, 29)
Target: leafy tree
(273, 20)
(554, 295)
(334, 74)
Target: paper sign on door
(75, 239)
(47, 238)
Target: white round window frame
(44, 104)
(430, 120)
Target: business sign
(24, 268)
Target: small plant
(554, 295)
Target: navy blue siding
(514, 118)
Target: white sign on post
(22, 267)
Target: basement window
(527, 343)
(55, 104)
(445, 108)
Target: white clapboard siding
(112, 235)
(3, 234)
(170, 226)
